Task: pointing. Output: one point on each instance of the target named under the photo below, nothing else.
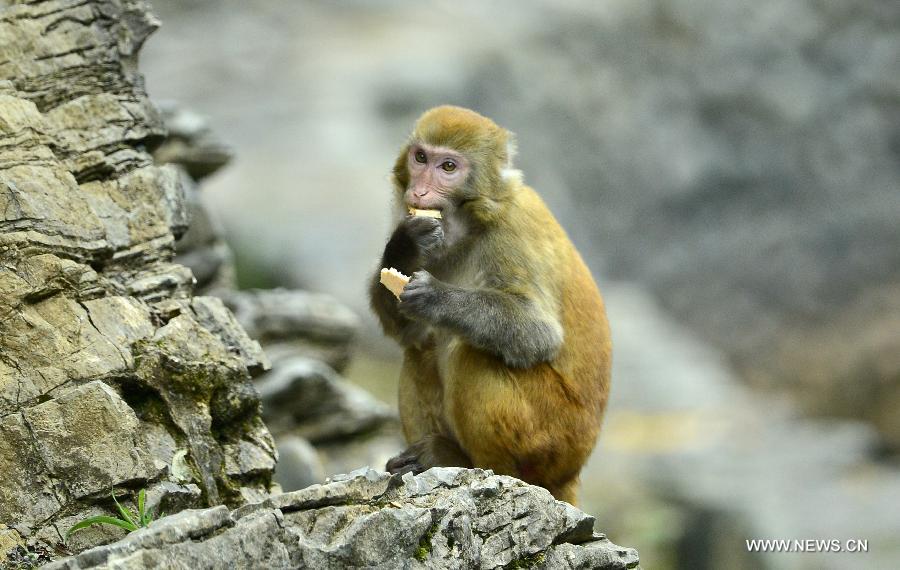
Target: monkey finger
(410, 301)
(420, 277)
(414, 291)
(422, 223)
(426, 232)
(411, 291)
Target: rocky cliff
(113, 377)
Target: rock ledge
(443, 518)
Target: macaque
(506, 345)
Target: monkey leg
(421, 415)
(530, 423)
(420, 395)
(430, 451)
(567, 492)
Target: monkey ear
(508, 171)
(512, 149)
(400, 174)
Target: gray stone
(307, 398)
(299, 465)
(443, 518)
(88, 438)
(599, 552)
(28, 491)
(280, 313)
(212, 313)
(190, 142)
(202, 247)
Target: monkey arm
(402, 254)
(415, 239)
(506, 324)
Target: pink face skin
(435, 174)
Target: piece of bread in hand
(426, 213)
(394, 281)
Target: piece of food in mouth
(394, 281)
(426, 213)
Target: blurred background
(729, 170)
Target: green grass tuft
(129, 520)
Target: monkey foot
(406, 462)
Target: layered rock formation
(113, 377)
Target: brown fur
(537, 423)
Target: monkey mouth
(423, 206)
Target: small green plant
(527, 561)
(424, 548)
(129, 521)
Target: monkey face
(436, 175)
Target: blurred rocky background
(730, 171)
(322, 424)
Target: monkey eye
(420, 157)
(448, 166)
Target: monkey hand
(420, 298)
(426, 233)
